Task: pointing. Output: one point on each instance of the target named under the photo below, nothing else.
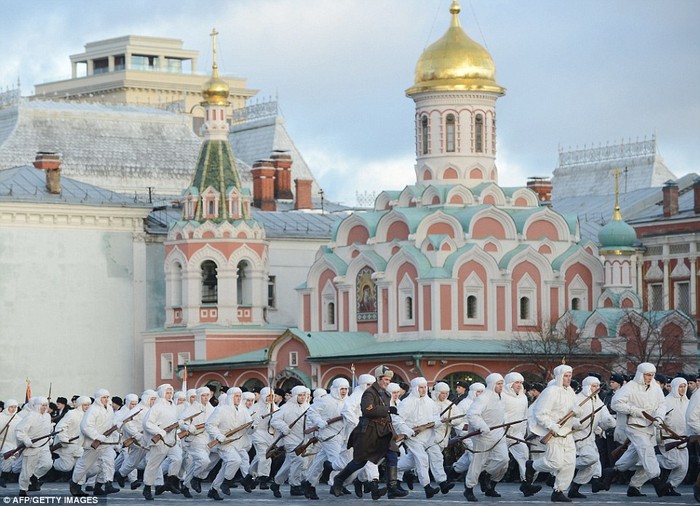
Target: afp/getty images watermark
(53, 499)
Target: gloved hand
(162, 433)
(485, 431)
(190, 428)
(393, 410)
(563, 431)
(658, 421)
(322, 424)
(221, 438)
(636, 412)
(577, 426)
(554, 427)
(286, 431)
(101, 438)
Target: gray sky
(576, 72)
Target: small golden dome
(215, 91)
(455, 62)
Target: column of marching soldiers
(559, 436)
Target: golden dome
(215, 91)
(455, 62)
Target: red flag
(28, 393)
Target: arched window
(210, 283)
(575, 303)
(243, 284)
(408, 302)
(424, 134)
(450, 133)
(176, 290)
(524, 308)
(472, 307)
(211, 209)
(330, 313)
(479, 134)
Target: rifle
(590, 415)
(58, 445)
(96, 443)
(269, 414)
(617, 452)
(172, 426)
(183, 434)
(454, 440)
(22, 446)
(452, 403)
(315, 427)
(230, 433)
(273, 451)
(518, 440)
(456, 417)
(685, 439)
(417, 431)
(301, 448)
(129, 441)
(663, 425)
(545, 439)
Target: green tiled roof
(503, 264)
(557, 262)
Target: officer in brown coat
(373, 438)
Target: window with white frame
(166, 366)
(578, 294)
(656, 297)
(329, 297)
(682, 296)
(450, 133)
(271, 292)
(527, 297)
(293, 359)
(424, 134)
(183, 357)
(473, 289)
(407, 308)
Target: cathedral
(453, 276)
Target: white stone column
(227, 305)
(191, 296)
(140, 309)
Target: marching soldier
(36, 458)
(9, 418)
(515, 404)
(637, 398)
(674, 462)
(97, 447)
(262, 437)
(133, 430)
(197, 441)
(70, 438)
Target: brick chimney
(670, 192)
(696, 195)
(542, 187)
(303, 187)
(282, 161)
(263, 172)
(51, 163)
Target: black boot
(558, 496)
(529, 472)
(596, 485)
(634, 492)
(394, 489)
(264, 482)
(430, 491)
(110, 488)
(121, 480)
(196, 484)
(659, 485)
(305, 488)
(491, 490)
(99, 491)
(147, 493)
(311, 494)
(339, 480)
(529, 490)
(248, 483)
(358, 485)
(409, 478)
(484, 479)
(672, 492)
(574, 493)
(172, 484)
(139, 480)
(327, 470)
(3, 483)
(226, 487)
(22, 493)
(34, 484)
(446, 486)
(213, 494)
(275, 489)
(76, 490)
(376, 491)
(606, 480)
(186, 492)
(469, 494)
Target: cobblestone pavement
(510, 495)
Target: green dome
(617, 235)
